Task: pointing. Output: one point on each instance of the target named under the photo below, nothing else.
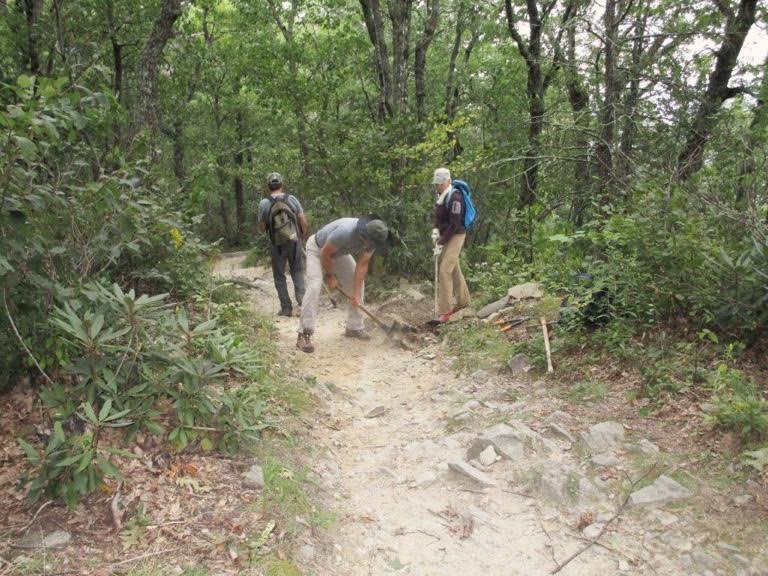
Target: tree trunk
(420, 64)
(374, 24)
(630, 100)
(400, 17)
(579, 100)
(737, 27)
(757, 130)
(534, 91)
(146, 114)
(604, 151)
(32, 10)
(224, 217)
(238, 179)
(450, 101)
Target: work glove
(438, 249)
(435, 235)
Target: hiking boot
(285, 312)
(304, 342)
(444, 317)
(359, 334)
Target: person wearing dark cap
(339, 254)
(282, 217)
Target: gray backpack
(283, 224)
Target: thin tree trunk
(374, 24)
(578, 96)
(400, 17)
(449, 84)
(624, 167)
(605, 142)
(420, 64)
(749, 166)
(32, 10)
(737, 27)
(238, 179)
(147, 110)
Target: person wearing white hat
(449, 236)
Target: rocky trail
(433, 473)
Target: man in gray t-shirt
(339, 254)
(284, 252)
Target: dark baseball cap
(378, 233)
(274, 181)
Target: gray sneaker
(304, 342)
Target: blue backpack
(470, 213)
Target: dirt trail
(388, 424)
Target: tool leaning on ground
(391, 331)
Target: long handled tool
(437, 256)
(333, 300)
(390, 330)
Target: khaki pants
(450, 279)
(344, 269)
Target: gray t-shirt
(266, 204)
(344, 235)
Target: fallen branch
(605, 526)
(28, 524)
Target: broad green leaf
(108, 468)
(32, 454)
(105, 409)
(26, 147)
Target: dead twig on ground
(112, 567)
(629, 557)
(516, 493)
(619, 512)
(28, 524)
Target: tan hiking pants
(450, 279)
(344, 269)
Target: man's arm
(263, 213)
(361, 271)
(303, 225)
(326, 259)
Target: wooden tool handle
(364, 309)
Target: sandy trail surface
(392, 426)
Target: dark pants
(293, 255)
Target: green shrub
(125, 355)
(587, 391)
(738, 405)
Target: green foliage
(283, 568)
(134, 533)
(587, 391)
(738, 404)
(125, 355)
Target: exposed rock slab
(663, 490)
(472, 473)
(603, 437)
